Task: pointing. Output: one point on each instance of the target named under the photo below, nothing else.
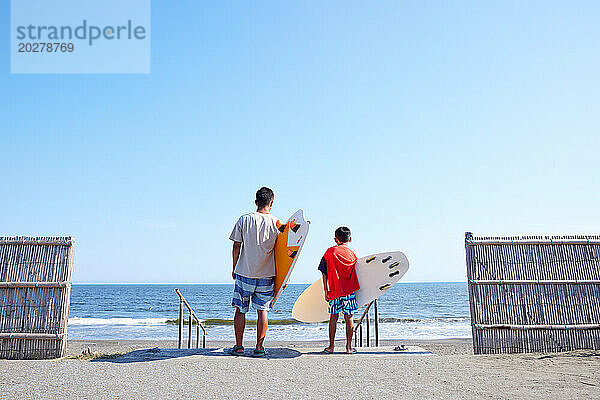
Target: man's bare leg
(333, 319)
(239, 324)
(261, 328)
(349, 332)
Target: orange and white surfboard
(287, 249)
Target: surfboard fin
(368, 260)
(394, 273)
(388, 258)
(386, 286)
(394, 265)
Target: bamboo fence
(534, 293)
(35, 290)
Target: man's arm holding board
(280, 226)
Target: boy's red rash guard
(341, 272)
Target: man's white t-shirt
(257, 232)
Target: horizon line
(225, 283)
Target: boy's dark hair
(264, 197)
(343, 234)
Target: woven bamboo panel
(534, 293)
(35, 290)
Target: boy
(253, 239)
(339, 283)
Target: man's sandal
(259, 353)
(237, 351)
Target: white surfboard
(376, 274)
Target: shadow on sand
(157, 354)
(375, 351)
(574, 353)
(372, 353)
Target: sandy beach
(442, 369)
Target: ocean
(407, 311)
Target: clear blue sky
(409, 122)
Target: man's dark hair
(264, 197)
(343, 234)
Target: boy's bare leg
(261, 328)
(239, 324)
(333, 318)
(349, 332)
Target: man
(253, 237)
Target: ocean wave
(279, 329)
(220, 321)
(250, 322)
(419, 320)
(117, 321)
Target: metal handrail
(359, 326)
(199, 325)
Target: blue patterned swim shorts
(259, 290)
(345, 304)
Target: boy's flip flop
(259, 353)
(327, 351)
(235, 351)
(353, 351)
